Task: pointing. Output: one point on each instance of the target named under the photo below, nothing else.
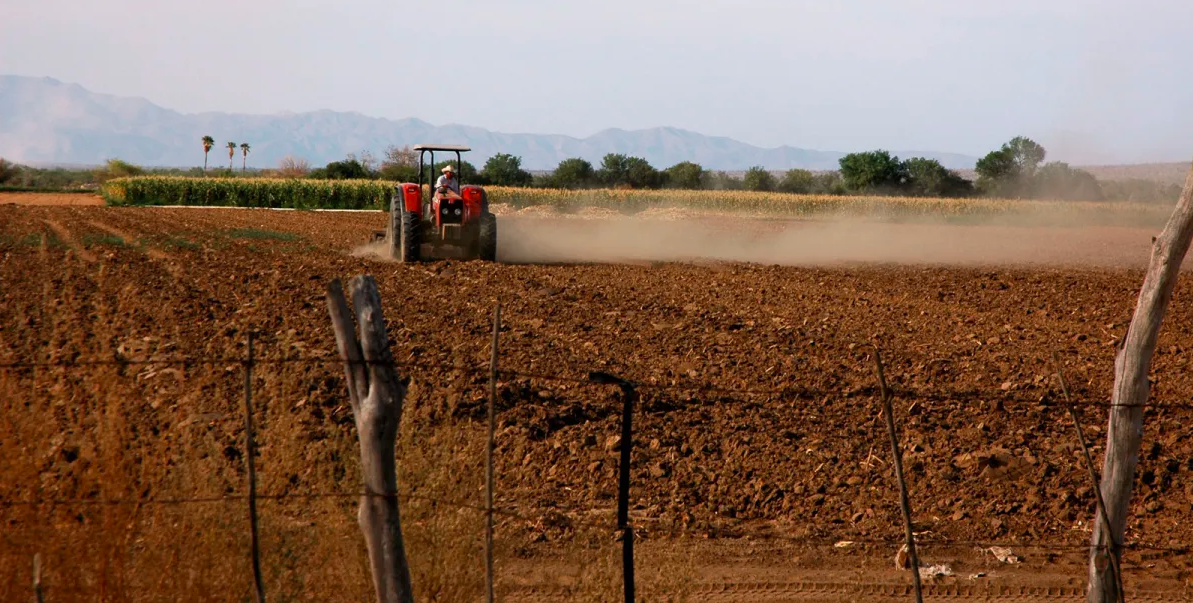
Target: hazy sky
(1092, 80)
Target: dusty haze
(818, 242)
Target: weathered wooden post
(377, 395)
(1125, 432)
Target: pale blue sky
(1093, 80)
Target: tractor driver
(448, 180)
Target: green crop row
(248, 192)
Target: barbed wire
(1042, 399)
(553, 516)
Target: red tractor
(448, 223)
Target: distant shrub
(117, 168)
(759, 180)
(293, 167)
(9, 172)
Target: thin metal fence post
(489, 458)
(904, 503)
(629, 392)
(1113, 545)
(252, 471)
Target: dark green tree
(873, 172)
(998, 173)
(614, 170)
(398, 172)
(1028, 155)
(686, 175)
(828, 183)
(571, 173)
(758, 179)
(796, 181)
(1057, 180)
(928, 178)
(9, 172)
(348, 169)
(640, 174)
(505, 170)
(619, 170)
(1009, 170)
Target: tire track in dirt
(145, 228)
(69, 240)
(128, 238)
(873, 592)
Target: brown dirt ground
(42, 199)
(757, 445)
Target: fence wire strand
(567, 518)
(553, 514)
(1042, 400)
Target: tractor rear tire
(410, 243)
(487, 238)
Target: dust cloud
(376, 250)
(818, 242)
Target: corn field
(375, 194)
(248, 192)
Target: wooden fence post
(377, 395)
(1124, 435)
(904, 503)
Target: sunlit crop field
(375, 194)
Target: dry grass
(311, 548)
(154, 432)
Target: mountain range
(46, 121)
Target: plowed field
(758, 441)
(49, 199)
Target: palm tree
(208, 142)
(231, 153)
(244, 151)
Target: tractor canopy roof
(441, 147)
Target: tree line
(1016, 171)
(614, 171)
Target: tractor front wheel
(410, 245)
